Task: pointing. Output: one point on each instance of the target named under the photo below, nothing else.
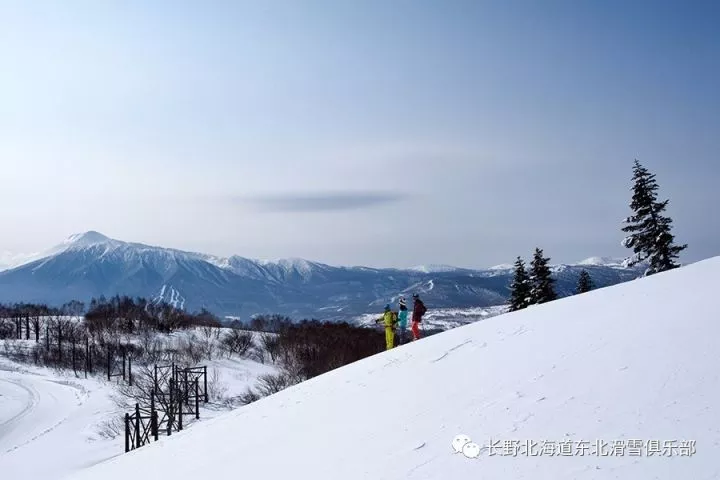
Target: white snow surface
(52, 422)
(433, 268)
(628, 363)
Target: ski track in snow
(38, 414)
(451, 350)
(29, 402)
(42, 413)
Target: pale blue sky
(383, 133)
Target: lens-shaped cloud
(322, 202)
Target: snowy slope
(54, 417)
(626, 363)
(72, 422)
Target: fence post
(186, 388)
(127, 432)
(74, 355)
(87, 355)
(130, 371)
(47, 337)
(197, 398)
(124, 357)
(205, 382)
(59, 340)
(153, 415)
(170, 407)
(137, 425)
(180, 414)
(154, 424)
(108, 363)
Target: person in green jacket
(402, 320)
(389, 319)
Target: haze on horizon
(365, 133)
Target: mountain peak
(90, 237)
(601, 261)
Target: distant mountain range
(90, 265)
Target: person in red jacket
(417, 314)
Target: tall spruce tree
(520, 287)
(649, 230)
(585, 283)
(542, 284)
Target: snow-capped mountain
(90, 265)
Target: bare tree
(237, 342)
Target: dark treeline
(309, 348)
(75, 337)
(121, 314)
(26, 320)
(131, 315)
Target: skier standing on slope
(418, 312)
(402, 320)
(389, 319)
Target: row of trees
(124, 314)
(533, 286)
(309, 348)
(536, 284)
(649, 237)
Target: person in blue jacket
(402, 320)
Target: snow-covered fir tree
(649, 230)
(585, 283)
(542, 284)
(520, 287)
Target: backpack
(421, 310)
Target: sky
(357, 133)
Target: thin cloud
(323, 202)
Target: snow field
(627, 365)
(53, 423)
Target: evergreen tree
(520, 287)
(585, 283)
(542, 284)
(649, 230)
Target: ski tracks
(39, 416)
(32, 400)
(448, 352)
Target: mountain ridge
(91, 264)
